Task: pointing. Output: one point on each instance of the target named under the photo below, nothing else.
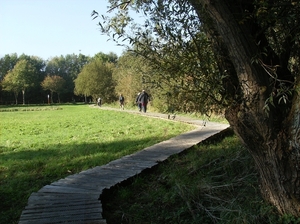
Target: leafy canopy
(170, 35)
(184, 73)
(96, 80)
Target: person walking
(99, 102)
(144, 99)
(138, 102)
(121, 100)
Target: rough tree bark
(273, 138)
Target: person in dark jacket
(99, 102)
(138, 103)
(121, 100)
(144, 99)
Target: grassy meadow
(41, 144)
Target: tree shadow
(24, 172)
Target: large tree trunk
(58, 97)
(51, 96)
(273, 138)
(16, 96)
(23, 95)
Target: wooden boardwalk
(75, 199)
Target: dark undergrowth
(213, 182)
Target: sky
(49, 28)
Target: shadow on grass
(24, 172)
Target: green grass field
(39, 145)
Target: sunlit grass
(41, 145)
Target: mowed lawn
(39, 145)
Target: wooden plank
(85, 178)
(107, 171)
(131, 164)
(80, 212)
(83, 218)
(64, 211)
(36, 196)
(66, 190)
(86, 186)
(46, 221)
(59, 203)
(54, 205)
(149, 158)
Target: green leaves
(95, 80)
(54, 84)
(178, 56)
(21, 77)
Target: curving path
(75, 199)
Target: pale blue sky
(49, 28)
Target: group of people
(141, 100)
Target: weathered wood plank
(54, 196)
(66, 190)
(83, 219)
(80, 212)
(86, 186)
(106, 171)
(47, 221)
(134, 162)
(56, 205)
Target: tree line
(31, 80)
(79, 78)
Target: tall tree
(20, 78)
(96, 80)
(128, 76)
(9, 84)
(111, 57)
(256, 47)
(63, 66)
(68, 67)
(54, 84)
(36, 93)
(7, 63)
